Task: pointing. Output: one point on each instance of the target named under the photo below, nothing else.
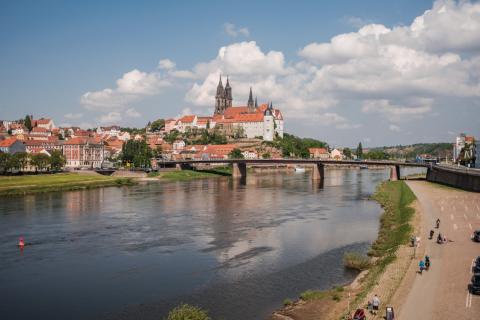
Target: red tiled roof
(317, 150)
(41, 121)
(187, 119)
(83, 140)
(39, 130)
(8, 142)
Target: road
(441, 293)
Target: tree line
(20, 161)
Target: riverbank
(390, 257)
(185, 175)
(28, 184)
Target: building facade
(86, 152)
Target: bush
(188, 312)
(312, 295)
(336, 297)
(355, 260)
(287, 302)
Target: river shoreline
(391, 258)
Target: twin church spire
(223, 98)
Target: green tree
(28, 122)
(172, 136)
(293, 146)
(266, 155)
(348, 153)
(13, 163)
(4, 162)
(157, 125)
(22, 159)
(235, 154)
(40, 161)
(359, 151)
(137, 153)
(57, 160)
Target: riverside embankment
(41, 183)
(391, 258)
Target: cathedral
(253, 120)
(223, 98)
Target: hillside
(409, 152)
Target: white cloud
(395, 113)
(394, 127)
(110, 118)
(132, 86)
(73, 116)
(166, 64)
(231, 30)
(356, 22)
(132, 113)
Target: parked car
(476, 236)
(474, 286)
(476, 266)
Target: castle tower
(228, 95)
(250, 103)
(220, 98)
(268, 124)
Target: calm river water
(235, 249)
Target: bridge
(240, 165)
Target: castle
(250, 121)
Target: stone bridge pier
(239, 170)
(183, 166)
(394, 173)
(318, 172)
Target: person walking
(375, 304)
(421, 265)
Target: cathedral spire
(256, 104)
(250, 103)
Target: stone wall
(463, 178)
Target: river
(235, 249)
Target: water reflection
(236, 247)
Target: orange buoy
(21, 243)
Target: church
(251, 121)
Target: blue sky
(53, 53)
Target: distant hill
(409, 152)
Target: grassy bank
(395, 230)
(185, 175)
(27, 184)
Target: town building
(87, 152)
(336, 154)
(12, 145)
(43, 123)
(319, 153)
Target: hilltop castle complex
(250, 121)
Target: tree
(137, 153)
(266, 155)
(236, 154)
(28, 122)
(172, 136)
(348, 153)
(13, 163)
(57, 160)
(40, 161)
(359, 151)
(238, 132)
(4, 162)
(157, 125)
(22, 159)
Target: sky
(383, 73)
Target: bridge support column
(394, 173)
(183, 166)
(318, 171)
(239, 170)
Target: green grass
(185, 175)
(395, 198)
(188, 312)
(287, 302)
(356, 261)
(26, 184)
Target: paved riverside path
(441, 292)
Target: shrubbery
(188, 312)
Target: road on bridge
(441, 293)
